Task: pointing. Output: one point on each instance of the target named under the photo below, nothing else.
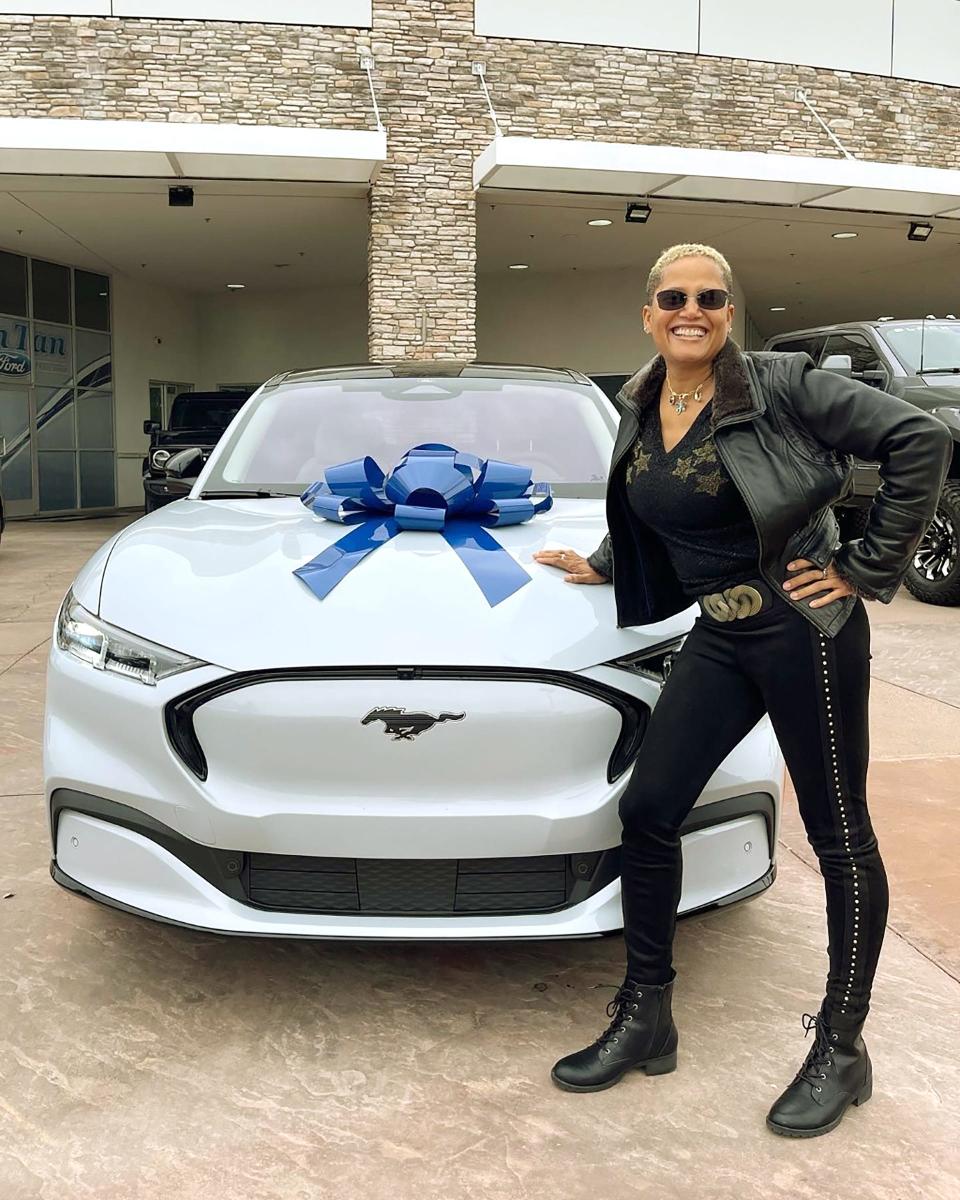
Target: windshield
(289, 435)
(191, 412)
(941, 344)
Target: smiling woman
(733, 512)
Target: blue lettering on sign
(15, 345)
(20, 337)
(12, 363)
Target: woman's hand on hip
(577, 568)
(826, 584)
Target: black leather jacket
(784, 431)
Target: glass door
(162, 396)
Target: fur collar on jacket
(732, 396)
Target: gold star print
(711, 484)
(641, 462)
(705, 453)
(684, 468)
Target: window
(610, 384)
(204, 412)
(289, 434)
(863, 357)
(51, 291)
(13, 284)
(925, 345)
(92, 300)
(812, 344)
(162, 396)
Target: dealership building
(203, 194)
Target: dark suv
(918, 360)
(196, 419)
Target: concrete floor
(139, 1061)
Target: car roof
(837, 328)
(443, 368)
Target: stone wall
(422, 247)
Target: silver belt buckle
(733, 603)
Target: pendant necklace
(679, 399)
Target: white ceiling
(781, 256)
(234, 233)
(237, 232)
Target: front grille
(422, 887)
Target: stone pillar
(421, 259)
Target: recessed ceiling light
(235, 287)
(841, 236)
(600, 221)
(779, 308)
(519, 266)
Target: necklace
(679, 399)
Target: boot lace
(821, 1052)
(621, 1009)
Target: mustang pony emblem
(406, 726)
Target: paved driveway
(140, 1061)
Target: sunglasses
(673, 299)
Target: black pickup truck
(196, 419)
(919, 361)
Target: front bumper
(135, 825)
(119, 857)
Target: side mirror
(877, 379)
(184, 462)
(150, 427)
(840, 364)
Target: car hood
(935, 390)
(946, 385)
(214, 579)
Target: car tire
(852, 519)
(934, 574)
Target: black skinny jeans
(815, 690)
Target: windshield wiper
(257, 494)
(940, 371)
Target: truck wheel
(852, 519)
(934, 574)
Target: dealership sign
(14, 364)
(16, 346)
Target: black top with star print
(693, 506)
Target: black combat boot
(641, 1034)
(836, 1074)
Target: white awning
(622, 169)
(166, 150)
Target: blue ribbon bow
(433, 487)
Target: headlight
(653, 662)
(160, 458)
(106, 648)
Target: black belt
(737, 601)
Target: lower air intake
(422, 887)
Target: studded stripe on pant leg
(817, 694)
(850, 862)
(835, 786)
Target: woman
(720, 488)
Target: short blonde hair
(686, 250)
